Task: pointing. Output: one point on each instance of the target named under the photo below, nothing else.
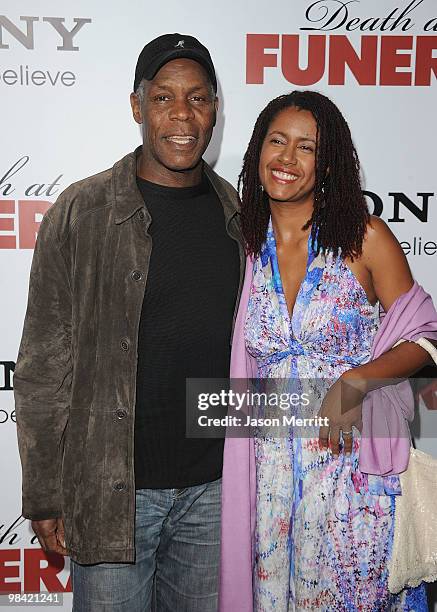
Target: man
(133, 289)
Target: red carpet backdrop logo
(388, 57)
(29, 570)
(27, 32)
(20, 218)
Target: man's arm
(42, 378)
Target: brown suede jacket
(75, 378)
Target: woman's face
(288, 155)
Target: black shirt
(184, 332)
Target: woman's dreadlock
(340, 213)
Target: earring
(323, 202)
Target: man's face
(177, 116)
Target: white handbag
(414, 553)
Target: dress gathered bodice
(331, 328)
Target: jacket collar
(230, 204)
(128, 199)
(127, 196)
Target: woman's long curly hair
(340, 214)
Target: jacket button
(141, 215)
(124, 344)
(137, 275)
(121, 413)
(119, 485)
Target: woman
(319, 267)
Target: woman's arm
(391, 277)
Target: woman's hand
(342, 406)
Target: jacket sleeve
(42, 378)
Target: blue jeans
(177, 542)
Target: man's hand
(51, 535)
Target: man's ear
(135, 104)
(216, 107)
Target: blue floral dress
(323, 530)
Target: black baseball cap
(168, 47)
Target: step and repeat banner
(66, 72)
